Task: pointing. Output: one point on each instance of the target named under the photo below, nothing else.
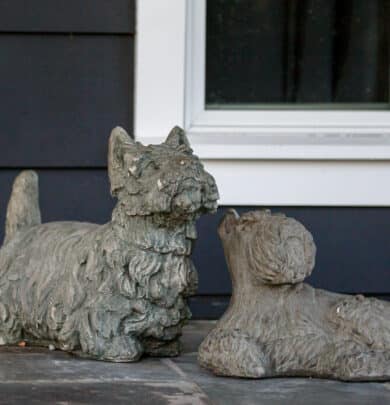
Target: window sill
(276, 146)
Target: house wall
(66, 79)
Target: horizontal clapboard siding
(62, 94)
(91, 16)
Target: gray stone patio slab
(129, 392)
(292, 391)
(37, 376)
(36, 364)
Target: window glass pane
(326, 54)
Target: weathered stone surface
(98, 392)
(35, 375)
(116, 291)
(276, 325)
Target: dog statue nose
(229, 221)
(183, 202)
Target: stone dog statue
(113, 291)
(278, 326)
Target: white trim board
(342, 156)
(276, 146)
(297, 183)
(160, 64)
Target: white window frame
(290, 158)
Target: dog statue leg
(319, 355)
(120, 349)
(353, 362)
(99, 339)
(233, 354)
(366, 320)
(10, 328)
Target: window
(277, 103)
(304, 144)
(315, 54)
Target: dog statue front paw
(232, 353)
(118, 349)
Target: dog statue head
(276, 249)
(166, 179)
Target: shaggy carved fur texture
(117, 290)
(278, 326)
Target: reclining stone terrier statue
(278, 326)
(113, 291)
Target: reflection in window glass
(297, 54)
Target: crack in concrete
(181, 373)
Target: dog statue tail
(23, 208)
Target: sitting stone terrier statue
(276, 325)
(113, 291)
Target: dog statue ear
(177, 139)
(119, 144)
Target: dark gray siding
(86, 16)
(61, 95)
(66, 78)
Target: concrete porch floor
(34, 375)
